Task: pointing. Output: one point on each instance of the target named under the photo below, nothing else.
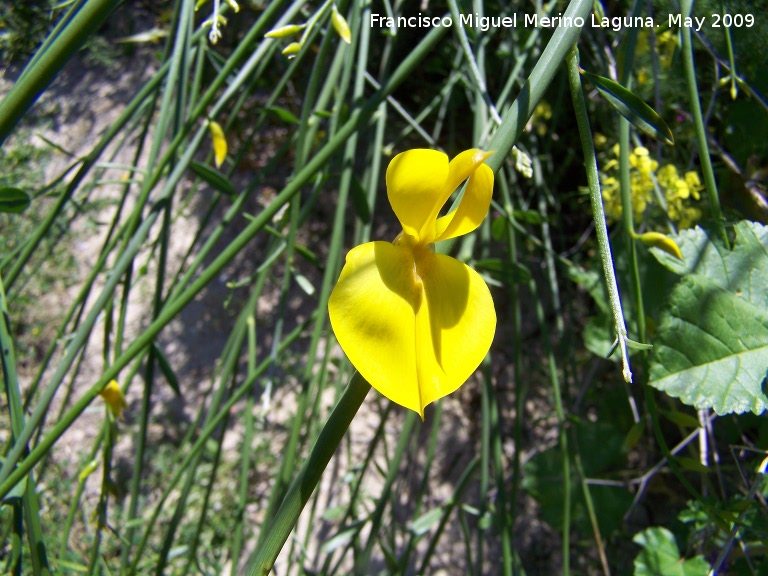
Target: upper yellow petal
(415, 180)
(419, 182)
(472, 209)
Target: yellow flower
(414, 323)
(114, 398)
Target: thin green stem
(708, 173)
(598, 212)
(531, 93)
(44, 68)
(29, 503)
(309, 475)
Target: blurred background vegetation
(129, 252)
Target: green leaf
(742, 270)
(632, 107)
(212, 177)
(680, 418)
(602, 449)
(284, 115)
(13, 200)
(504, 270)
(499, 228)
(661, 557)
(359, 201)
(528, 216)
(712, 341)
(165, 368)
(711, 349)
(304, 283)
(634, 435)
(424, 523)
(344, 535)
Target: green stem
(33, 82)
(601, 228)
(306, 480)
(179, 301)
(686, 7)
(534, 88)
(29, 502)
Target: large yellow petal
(455, 325)
(414, 323)
(373, 311)
(415, 180)
(472, 209)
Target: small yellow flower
(114, 398)
(414, 323)
(694, 184)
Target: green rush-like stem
(29, 502)
(309, 475)
(520, 382)
(516, 117)
(686, 6)
(180, 300)
(449, 507)
(625, 187)
(238, 537)
(514, 120)
(44, 68)
(601, 228)
(590, 508)
(317, 94)
(629, 229)
(363, 562)
(182, 466)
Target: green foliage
(711, 348)
(633, 108)
(661, 557)
(13, 200)
(23, 25)
(204, 292)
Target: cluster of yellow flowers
(678, 190)
(666, 44)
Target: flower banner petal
(373, 313)
(414, 181)
(454, 326)
(472, 209)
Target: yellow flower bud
(285, 31)
(292, 49)
(88, 470)
(662, 242)
(340, 25)
(219, 143)
(114, 398)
